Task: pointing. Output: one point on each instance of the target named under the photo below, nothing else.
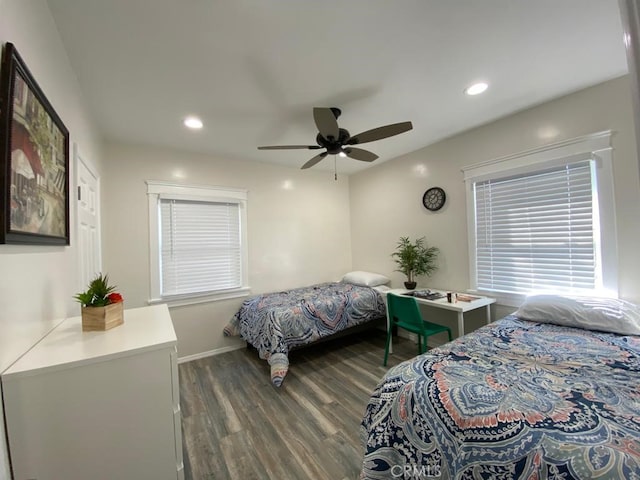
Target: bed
(548, 398)
(275, 323)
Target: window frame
(157, 190)
(596, 147)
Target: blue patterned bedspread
(514, 399)
(276, 322)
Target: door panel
(88, 202)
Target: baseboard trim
(414, 338)
(210, 353)
(231, 348)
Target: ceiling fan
(338, 141)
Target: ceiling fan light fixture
(476, 88)
(193, 123)
(338, 141)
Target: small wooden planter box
(102, 318)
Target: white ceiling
(253, 69)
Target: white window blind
(200, 246)
(538, 231)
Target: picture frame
(34, 160)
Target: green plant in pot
(415, 259)
(102, 307)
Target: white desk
(457, 306)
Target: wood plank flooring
(236, 425)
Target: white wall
(37, 283)
(298, 229)
(386, 199)
(630, 15)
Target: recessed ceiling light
(476, 88)
(193, 122)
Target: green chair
(404, 312)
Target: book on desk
(461, 297)
(426, 294)
(431, 295)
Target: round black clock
(433, 199)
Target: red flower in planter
(115, 297)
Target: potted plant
(102, 307)
(415, 259)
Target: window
(536, 231)
(197, 243)
(540, 221)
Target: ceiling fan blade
(326, 122)
(290, 147)
(380, 133)
(314, 160)
(360, 154)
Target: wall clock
(433, 199)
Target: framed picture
(34, 160)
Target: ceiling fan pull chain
(335, 169)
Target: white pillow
(591, 313)
(366, 279)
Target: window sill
(517, 299)
(182, 300)
(502, 298)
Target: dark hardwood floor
(236, 425)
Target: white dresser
(97, 405)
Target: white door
(88, 201)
